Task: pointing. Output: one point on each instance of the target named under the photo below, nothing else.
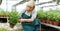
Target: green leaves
(53, 15)
(13, 17)
(41, 14)
(2, 12)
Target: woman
(28, 18)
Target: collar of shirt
(27, 13)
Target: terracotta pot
(12, 25)
(56, 23)
(42, 20)
(51, 22)
(59, 23)
(47, 21)
(0, 15)
(3, 15)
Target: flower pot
(56, 23)
(42, 20)
(50, 22)
(47, 21)
(3, 15)
(59, 23)
(0, 15)
(12, 25)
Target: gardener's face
(30, 7)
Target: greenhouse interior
(47, 12)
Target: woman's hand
(21, 20)
(26, 20)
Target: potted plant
(49, 17)
(3, 13)
(56, 18)
(13, 18)
(39, 15)
(44, 16)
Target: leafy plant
(53, 15)
(56, 17)
(44, 15)
(39, 14)
(13, 17)
(4, 13)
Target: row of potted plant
(3, 13)
(50, 17)
(13, 16)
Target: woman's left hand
(21, 20)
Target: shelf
(3, 17)
(57, 27)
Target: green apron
(29, 26)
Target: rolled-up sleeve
(34, 14)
